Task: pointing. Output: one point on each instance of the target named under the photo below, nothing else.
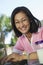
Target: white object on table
(40, 55)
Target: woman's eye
(16, 22)
(24, 19)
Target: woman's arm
(14, 57)
(33, 56)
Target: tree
(5, 26)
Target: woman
(28, 29)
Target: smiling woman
(28, 30)
(21, 22)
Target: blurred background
(7, 36)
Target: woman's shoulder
(21, 37)
(39, 32)
(38, 35)
(40, 29)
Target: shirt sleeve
(41, 32)
(18, 48)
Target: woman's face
(22, 22)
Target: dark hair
(34, 22)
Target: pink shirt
(24, 44)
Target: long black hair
(34, 22)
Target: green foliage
(7, 45)
(13, 41)
(8, 24)
(5, 26)
(5, 22)
(1, 46)
(1, 54)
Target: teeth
(23, 28)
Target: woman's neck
(29, 35)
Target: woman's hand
(10, 58)
(33, 56)
(14, 57)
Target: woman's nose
(21, 24)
